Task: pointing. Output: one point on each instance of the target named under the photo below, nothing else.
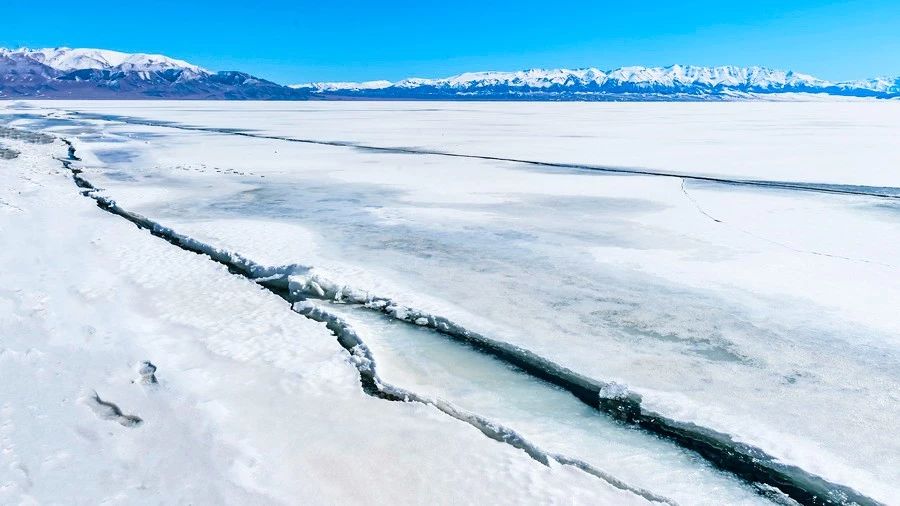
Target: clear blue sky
(298, 41)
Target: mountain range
(676, 82)
(65, 73)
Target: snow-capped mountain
(100, 73)
(626, 83)
(66, 60)
(878, 85)
(338, 86)
(84, 73)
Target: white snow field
(735, 265)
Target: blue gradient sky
(298, 41)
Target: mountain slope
(103, 74)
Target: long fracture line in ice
(361, 356)
(749, 463)
(859, 190)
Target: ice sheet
(828, 142)
(766, 314)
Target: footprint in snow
(109, 411)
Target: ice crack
(772, 241)
(871, 191)
(296, 282)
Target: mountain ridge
(87, 73)
(722, 82)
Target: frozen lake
(735, 265)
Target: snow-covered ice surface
(253, 404)
(844, 143)
(767, 314)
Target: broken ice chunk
(613, 390)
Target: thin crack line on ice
(772, 241)
(838, 189)
(696, 204)
(296, 282)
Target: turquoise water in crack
(434, 366)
